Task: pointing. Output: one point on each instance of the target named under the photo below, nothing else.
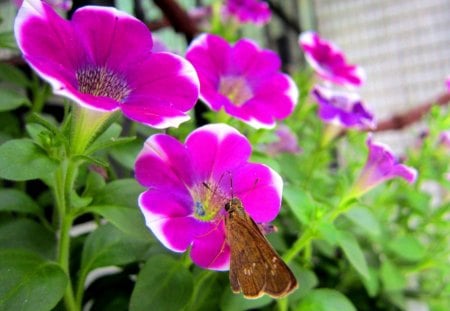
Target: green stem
(301, 243)
(282, 304)
(64, 181)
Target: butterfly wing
(255, 267)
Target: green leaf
(307, 280)
(237, 302)
(207, 291)
(21, 159)
(300, 202)
(127, 219)
(10, 100)
(407, 247)
(392, 278)
(123, 192)
(365, 219)
(29, 282)
(12, 74)
(107, 246)
(7, 40)
(24, 233)
(126, 154)
(353, 252)
(13, 200)
(163, 284)
(372, 284)
(325, 299)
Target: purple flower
(329, 62)
(189, 185)
(343, 109)
(242, 79)
(64, 5)
(444, 140)
(447, 83)
(248, 11)
(286, 142)
(381, 165)
(102, 60)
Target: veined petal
(48, 43)
(259, 188)
(217, 148)
(163, 162)
(178, 233)
(129, 38)
(163, 203)
(250, 59)
(211, 250)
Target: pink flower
(242, 79)
(381, 165)
(444, 140)
(64, 5)
(447, 83)
(344, 109)
(248, 11)
(102, 59)
(329, 61)
(286, 142)
(189, 185)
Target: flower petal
(164, 163)
(211, 251)
(129, 38)
(177, 234)
(259, 188)
(157, 204)
(48, 43)
(216, 149)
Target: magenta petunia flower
(64, 5)
(248, 11)
(343, 109)
(102, 59)
(242, 79)
(381, 165)
(189, 185)
(329, 61)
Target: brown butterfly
(255, 267)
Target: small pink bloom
(381, 165)
(286, 142)
(343, 109)
(248, 11)
(102, 59)
(64, 5)
(329, 61)
(242, 79)
(447, 83)
(444, 140)
(189, 185)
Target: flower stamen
(100, 81)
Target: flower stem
(301, 243)
(64, 180)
